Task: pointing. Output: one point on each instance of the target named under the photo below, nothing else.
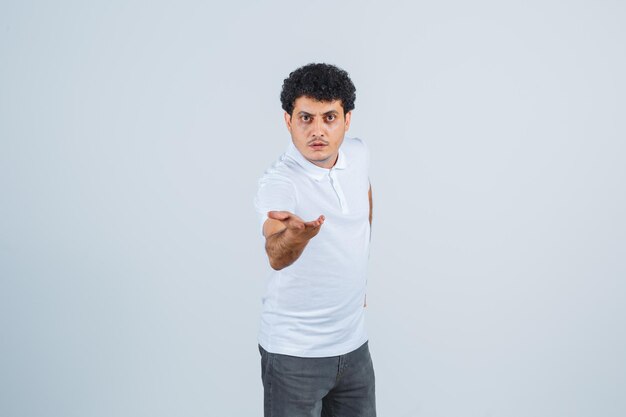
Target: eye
(305, 118)
(331, 117)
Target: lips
(317, 145)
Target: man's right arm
(286, 236)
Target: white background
(132, 135)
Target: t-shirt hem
(313, 353)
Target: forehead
(313, 106)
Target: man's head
(318, 100)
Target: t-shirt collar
(312, 170)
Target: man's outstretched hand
(297, 228)
(287, 235)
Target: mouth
(317, 146)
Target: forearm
(283, 249)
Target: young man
(315, 207)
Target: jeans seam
(270, 363)
(266, 377)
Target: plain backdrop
(132, 135)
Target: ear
(288, 121)
(348, 117)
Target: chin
(319, 158)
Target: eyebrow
(304, 113)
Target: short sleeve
(366, 154)
(275, 193)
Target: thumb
(278, 215)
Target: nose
(317, 128)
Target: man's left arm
(369, 196)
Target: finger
(296, 225)
(317, 222)
(278, 215)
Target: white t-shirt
(314, 307)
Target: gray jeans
(336, 386)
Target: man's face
(317, 129)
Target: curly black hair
(323, 82)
